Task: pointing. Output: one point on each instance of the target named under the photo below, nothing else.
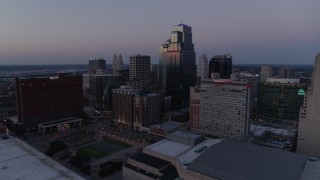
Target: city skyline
(37, 32)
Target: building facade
(194, 108)
(203, 67)
(309, 122)
(221, 64)
(154, 76)
(146, 110)
(225, 108)
(117, 63)
(101, 90)
(287, 72)
(95, 64)
(266, 72)
(122, 105)
(139, 71)
(177, 65)
(46, 99)
(279, 101)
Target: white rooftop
(311, 170)
(168, 148)
(20, 161)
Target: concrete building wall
(309, 122)
(266, 72)
(203, 67)
(225, 109)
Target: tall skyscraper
(309, 122)
(203, 67)
(177, 67)
(117, 63)
(266, 72)
(46, 99)
(221, 64)
(139, 71)
(95, 64)
(225, 108)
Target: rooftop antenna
(181, 21)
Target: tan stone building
(309, 121)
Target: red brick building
(46, 99)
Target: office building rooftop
(20, 161)
(236, 160)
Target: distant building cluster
(206, 114)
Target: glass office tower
(221, 64)
(177, 67)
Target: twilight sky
(73, 31)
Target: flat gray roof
(20, 161)
(232, 160)
(168, 148)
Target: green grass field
(103, 148)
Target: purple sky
(72, 31)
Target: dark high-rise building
(154, 75)
(95, 64)
(48, 98)
(139, 71)
(221, 64)
(101, 90)
(177, 65)
(147, 109)
(124, 75)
